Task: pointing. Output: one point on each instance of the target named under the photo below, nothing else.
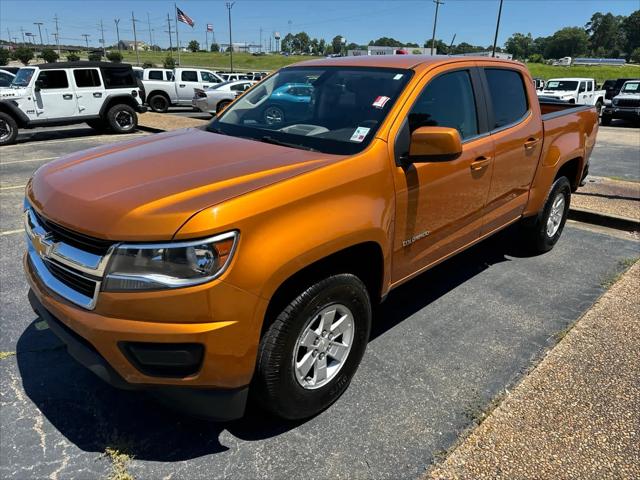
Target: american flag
(184, 18)
(209, 27)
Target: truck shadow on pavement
(81, 131)
(95, 416)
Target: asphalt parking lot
(443, 346)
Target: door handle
(67, 96)
(531, 143)
(97, 94)
(480, 163)
(181, 85)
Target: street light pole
(39, 24)
(229, 7)
(495, 39)
(435, 21)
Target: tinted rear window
(508, 96)
(119, 78)
(155, 75)
(189, 76)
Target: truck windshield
(329, 109)
(631, 87)
(23, 77)
(561, 85)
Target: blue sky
(472, 21)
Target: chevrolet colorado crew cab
(104, 95)
(245, 259)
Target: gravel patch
(576, 415)
(610, 197)
(163, 121)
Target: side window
(87, 78)
(447, 101)
(49, 79)
(582, 87)
(237, 88)
(590, 86)
(207, 77)
(508, 96)
(189, 76)
(155, 75)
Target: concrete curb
(604, 220)
(144, 128)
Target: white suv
(104, 95)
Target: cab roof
(81, 64)
(394, 61)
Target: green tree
(465, 47)
(115, 57)
(49, 55)
(603, 31)
(95, 56)
(441, 47)
(631, 28)
(148, 65)
(322, 46)
(519, 45)
(540, 44)
(301, 42)
(386, 42)
(24, 54)
(169, 62)
(5, 55)
(215, 47)
(411, 45)
(353, 46)
(194, 46)
(567, 42)
(286, 45)
(635, 55)
(72, 57)
(336, 44)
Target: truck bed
(551, 110)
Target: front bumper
(141, 108)
(628, 113)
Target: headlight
(615, 101)
(169, 265)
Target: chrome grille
(64, 260)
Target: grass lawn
(245, 61)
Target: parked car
(233, 77)
(161, 94)
(163, 74)
(103, 95)
(13, 70)
(215, 99)
(580, 91)
(612, 88)
(6, 78)
(203, 263)
(625, 105)
(138, 72)
(287, 103)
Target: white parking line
(11, 232)
(12, 187)
(30, 160)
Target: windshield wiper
(275, 141)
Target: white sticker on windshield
(553, 84)
(360, 134)
(398, 76)
(380, 101)
(631, 87)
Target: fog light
(164, 359)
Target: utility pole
(104, 52)
(229, 7)
(495, 39)
(260, 39)
(86, 39)
(435, 21)
(206, 37)
(175, 12)
(170, 41)
(22, 32)
(46, 31)
(117, 21)
(135, 39)
(57, 33)
(8, 34)
(39, 24)
(149, 25)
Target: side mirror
(39, 85)
(434, 144)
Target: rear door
(55, 98)
(187, 83)
(516, 129)
(90, 91)
(439, 204)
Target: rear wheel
(122, 118)
(222, 105)
(311, 351)
(543, 232)
(159, 103)
(8, 129)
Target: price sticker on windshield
(380, 101)
(360, 134)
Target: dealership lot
(442, 347)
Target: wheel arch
(117, 99)
(11, 109)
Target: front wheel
(8, 129)
(544, 231)
(122, 118)
(605, 120)
(310, 352)
(599, 107)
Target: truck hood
(146, 189)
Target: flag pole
(175, 12)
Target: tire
(122, 118)
(8, 129)
(222, 105)
(158, 103)
(543, 232)
(99, 125)
(273, 115)
(599, 107)
(290, 392)
(605, 120)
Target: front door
(187, 83)
(54, 98)
(90, 91)
(439, 205)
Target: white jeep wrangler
(104, 95)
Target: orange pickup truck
(243, 260)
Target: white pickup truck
(581, 91)
(178, 89)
